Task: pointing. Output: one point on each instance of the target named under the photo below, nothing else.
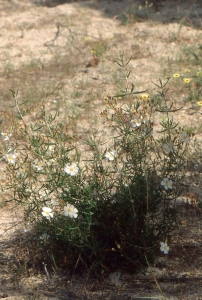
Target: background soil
(34, 34)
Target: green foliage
(109, 207)
(136, 13)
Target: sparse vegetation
(103, 215)
(98, 156)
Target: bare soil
(46, 41)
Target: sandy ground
(30, 31)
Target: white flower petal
(71, 169)
(11, 157)
(184, 137)
(6, 136)
(47, 212)
(70, 211)
(136, 122)
(38, 165)
(111, 155)
(169, 147)
(164, 247)
(50, 149)
(167, 184)
(44, 237)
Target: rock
(155, 271)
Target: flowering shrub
(115, 208)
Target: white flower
(28, 227)
(11, 157)
(71, 211)
(184, 137)
(6, 136)
(164, 247)
(169, 147)
(44, 237)
(145, 118)
(136, 122)
(71, 169)
(111, 155)
(147, 130)
(47, 212)
(38, 165)
(52, 162)
(168, 184)
(50, 149)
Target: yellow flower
(93, 51)
(187, 80)
(187, 71)
(176, 75)
(198, 73)
(86, 38)
(144, 97)
(199, 102)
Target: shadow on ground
(189, 12)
